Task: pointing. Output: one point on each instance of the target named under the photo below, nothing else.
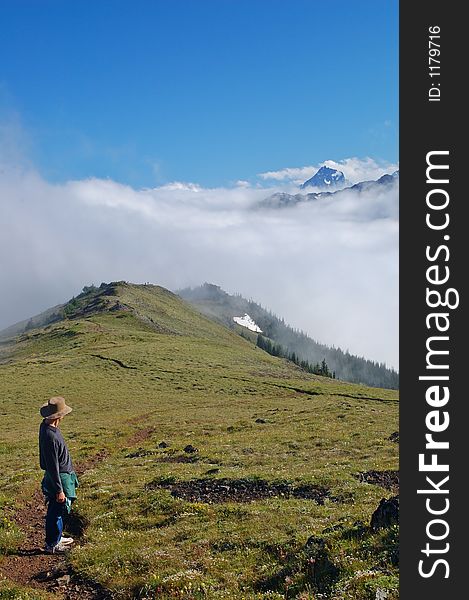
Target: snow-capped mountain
(325, 178)
(247, 322)
(284, 200)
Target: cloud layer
(328, 267)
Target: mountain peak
(325, 177)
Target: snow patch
(247, 322)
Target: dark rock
(163, 445)
(387, 513)
(325, 177)
(314, 543)
(318, 565)
(261, 421)
(118, 306)
(394, 437)
(190, 449)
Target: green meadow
(168, 405)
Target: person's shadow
(30, 552)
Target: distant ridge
(283, 200)
(212, 301)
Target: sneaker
(66, 541)
(57, 549)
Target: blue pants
(56, 512)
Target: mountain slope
(153, 304)
(325, 177)
(208, 465)
(214, 302)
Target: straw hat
(55, 408)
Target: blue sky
(209, 91)
(111, 111)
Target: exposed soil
(32, 568)
(140, 452)
(139, 418)
(240, 490)
(90, 463)
(178, 458)
(140, 436)
(386, 479)
(114, 360)
(314, 393)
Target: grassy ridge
(154, 365)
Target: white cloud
(328, 267)
(182, 185)
(362, 169)
(354, 169)
(295, 174)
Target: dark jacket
(54, 456)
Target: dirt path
(31, 567)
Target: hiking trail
(30, 567)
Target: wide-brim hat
(55, 408)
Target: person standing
(60, 481)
